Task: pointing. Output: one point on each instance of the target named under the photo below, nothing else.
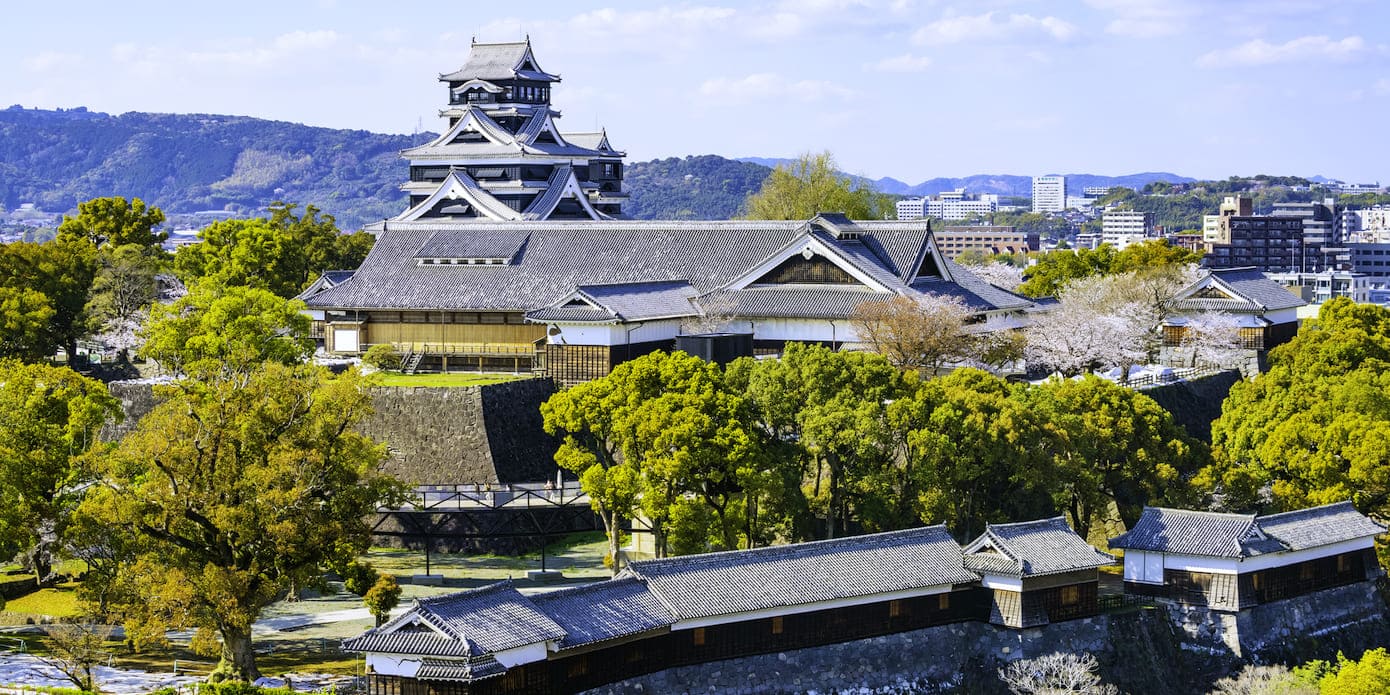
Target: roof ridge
(1202, 511)
(804, 546)
(1261, 518)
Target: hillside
(186, 163)
(191, 162)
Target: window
(943, 602)
(1305, 572)
(1343, 564)
(777, 625)
(1071, 595)
(698, 637)
(1257, 581)
(895, 609)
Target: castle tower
(502, 158)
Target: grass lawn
(58, 602)
(578, 555)
(451, 380)
(273, 656)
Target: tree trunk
(832, 507)
(238, 656)
(610, 520)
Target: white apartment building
(1120, 228)
(947, 205)
(1049, 193)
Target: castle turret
(502, 157)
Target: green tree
(1315, 427)
(832, 405)
(1053, 270)
(1111, 445)
(1369, 675)
(218, 329)
(63, 271)
(973, 453)
(1153, 254)
(52, 416)
(115, 222)
(813, 184)
(240, 488)
(125, 286)
(282, 254)
(24, 324)
(382, 598)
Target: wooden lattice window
(777, 625)
(943, 602)
(816, 270)
(895, 609)
(697, 636)
(1343, 564)
(1071, 595)
(578, 666)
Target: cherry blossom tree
(1211, 338)
(1005, 275)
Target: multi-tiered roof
(502, 157)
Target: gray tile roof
(805, 301)
(486, 620)
(1318, 526)
(636, 301)
(604, 610)
(496, 245)
(1256, 292)
(497, 61)
(559, 256)
(1244, 535)
(1185, 532)
(1033, 548)
(473, 669)
(699, 586)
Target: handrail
(468, 349)
(493, 496)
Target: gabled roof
(594, 141)
(327, 279)
(461, 187)
(1214, 534)
(561, 255)
(1317, 526)
(604, 611)
(500, 61)
(1248, 288)
(562, 184)
(637, 301)
(1032, 548)
(486, 620)
(716, 584)
(501, 143)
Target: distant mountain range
(187, 163)
(1001, 184)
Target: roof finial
(473, 41)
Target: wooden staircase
(411, 362)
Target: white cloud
(767, 85)
(903, 63)
(1305, 48)
(991, 26)
(1147, 18)
(51, 60)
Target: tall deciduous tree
(1314, 428)
(115, 222)
(924, 333)
(216, 329)
(240, 487)
(281, 254)
(1110, 444)
(24, 324)
(125, 287)
(50, 424)
(63, 271)
(813, 184)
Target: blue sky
(911, 89)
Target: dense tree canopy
(216, 329)
(1054, 270)
(281, 254)
(1315, 427)
(25, 317)
(115, 222)
(63, 272)
(238, 488)
(50, 424)
(813, 184)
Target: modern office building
(1049, 193)
(991, 239)
(947, 205)
(1295, 238)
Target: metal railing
(467, 349)
(493, 496)
(1171, 377)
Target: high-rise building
(1049, 193)
(947, 205)
(1297, 238)
(502, 156)
(1120, 228)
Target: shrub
(383, 356)
(359, 577)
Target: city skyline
(911, 90)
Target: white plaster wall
(999, 581)
(615, 334)
(1135, 560)
(521, 655)
(1282, 315)
(393, 665)
(803, 329)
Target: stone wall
(1196, 403)
(485, 434)
(1168, 650)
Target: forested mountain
(191, 162)
(707, 187)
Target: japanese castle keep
(502, 158)
(513, 255)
